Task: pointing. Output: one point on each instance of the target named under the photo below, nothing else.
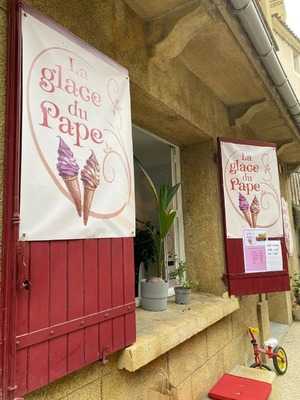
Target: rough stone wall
(280, 304)
(176, 105)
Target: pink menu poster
(254, 243)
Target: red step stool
(231, 387)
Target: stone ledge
(159, 332)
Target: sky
(293, 15)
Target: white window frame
(296, 62)
(178, 225)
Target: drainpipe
(252, 22)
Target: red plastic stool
(231, 387)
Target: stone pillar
(204, 241)
(280, 307)
(263, 320)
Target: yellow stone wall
(175, 105)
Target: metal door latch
(26, 284)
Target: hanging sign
(251, 189)
(77, 166)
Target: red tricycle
(271, 350)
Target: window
(162, 162)
(296, 57)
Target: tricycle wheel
(261, 366)
(280, 360)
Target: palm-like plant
(166, 217)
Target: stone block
(280, 307)
(218, 336)
(187, 358)
(67, 385)
(183, 391)
(246, 315)
(3, 4)
(123, 385)
(92, 391)
(206, 376)
(234, 353)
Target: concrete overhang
(205, 39)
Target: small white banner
(77, 177)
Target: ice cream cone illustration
(90, 176)
(254, 209)
(68, 169)
(244, 207)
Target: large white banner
(77, 167)
(251, 189)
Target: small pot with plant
(184, 289)
(296, 290)
(154, 290)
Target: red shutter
(79, 308)
(80, 304)
(241, 283)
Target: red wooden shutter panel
(240, 283)
(79, 309)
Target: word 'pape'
(248, 169)
(54, 80)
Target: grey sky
(293, 15)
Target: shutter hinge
(105, 352)
(12, 388)
(225, 279)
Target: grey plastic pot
(182, 295)
(154, 295)
(296, 313)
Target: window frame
(179, 244)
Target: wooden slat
(58, 308)
(75, 303)
(91, 342)
(105, 293)
(22, 324)
(118, 293)
(39, 313)
(129, 290)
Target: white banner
(77, 167)
(251, 189)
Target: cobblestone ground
(288, 385)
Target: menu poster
(261, 254)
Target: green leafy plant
(180, 274)
(296, 287)
(166, 216)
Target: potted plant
(184, 288)
(296, 289)
(143, 251)
(154, 290)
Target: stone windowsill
(159, 332)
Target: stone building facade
(194, 77)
